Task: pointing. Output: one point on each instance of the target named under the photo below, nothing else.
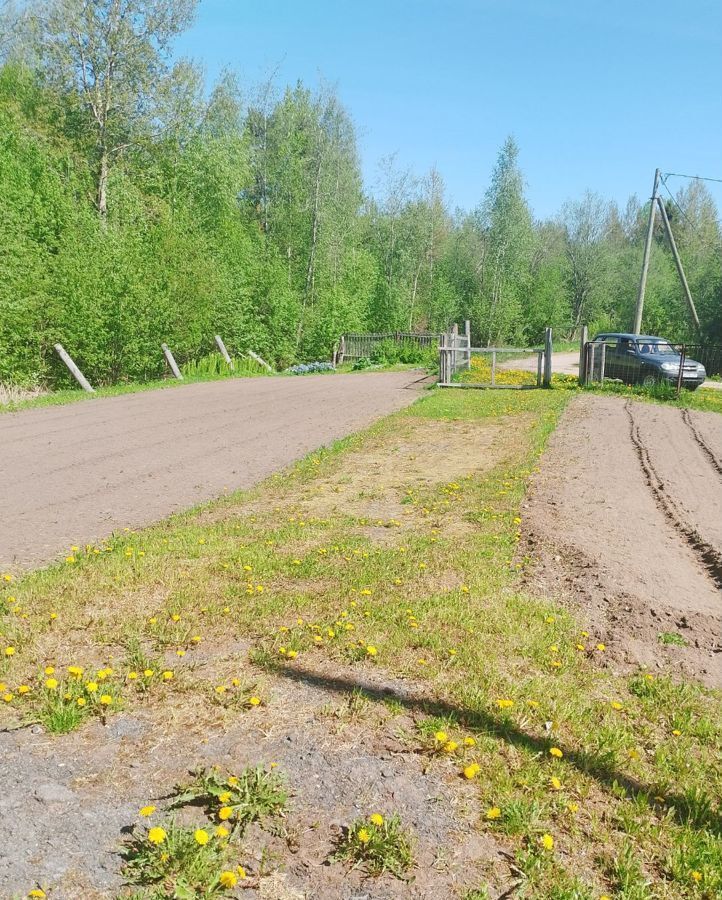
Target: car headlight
(670, 366)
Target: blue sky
(597, 94)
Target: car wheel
(650, 380)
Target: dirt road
(626, 520)
(74, 474)
(566, 362)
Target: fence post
(455, 345)
(342, 349)
(682, 357)
(224, 353)
(467, 332)
(547, 357)
(602, 362)
(260, 361)
(443, 360)
(493, 368)
(171, 361)
(583, 354)
(589, 364)
(74, 370)
(539, 359)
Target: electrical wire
(693, 177)
(704, 242)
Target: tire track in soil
(709, 557)
(700, 441)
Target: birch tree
(113, 57)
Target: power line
(703, 241)
(693, 177)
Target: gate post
(583, 354)
(467, 332)
(547, 357)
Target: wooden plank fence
(357, 346)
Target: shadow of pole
(482, 721)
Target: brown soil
(74, 474)
(625, 522)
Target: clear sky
(597, 94)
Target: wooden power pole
(657, 201)
(645, 261)
(678, 263)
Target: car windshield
(658, 348)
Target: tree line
(139, 206)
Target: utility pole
(678, 262)
(645, 262)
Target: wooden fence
(358, 346)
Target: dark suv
(645, 359)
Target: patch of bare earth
(67, 801)
(624, 520)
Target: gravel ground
(67, 801)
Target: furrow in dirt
(598, 538)
(709, 556)
(706, 449)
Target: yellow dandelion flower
(220, 689)
(51, 683)
(8, 698)
(364, 835)
(75, 671)
(49, 670)
(504, 704)
(441, 737)
(450, 747)
(157, 835)
(241, 871)
(106, 700)
(555, 783)
(168, 675)
(573, 807)
(615, 704)
(376, 819)
(224, 797)
(547, 842)
(91, 687)
(556, 752)
(10, 651)
(201, 836)
(24, 689)
(676, 732)
(471, 771)
(37, 892)
(371, 651)
(696, 876)
(233, 780)
(225, 813)
(469, 742)
(601, 647)
(132, 676)
(292, 654)
(493, 813)
(175, 617)
(146, 811)
(222, 831)
(254, 701)
(228, 879)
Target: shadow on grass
(691, 808)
